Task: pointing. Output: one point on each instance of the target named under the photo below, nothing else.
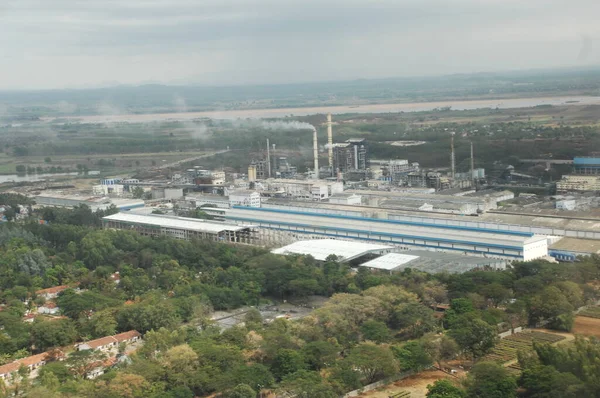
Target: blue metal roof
(408, 244)
(592, 161)
(360, 231)
(399, 222)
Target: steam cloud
(198, 130)
(281, 125)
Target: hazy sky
(77, 43)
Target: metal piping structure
(330, 142)
(452, 158)
(316, 152)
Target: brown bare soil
(587, 326)
(415, 384)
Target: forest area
(372, 326)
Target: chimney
(452, 159)
(330, 142)
(268, 158)
(472, 167)
(316, 152)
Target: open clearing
(587, 326)
(415, 384)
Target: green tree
(253, 319)
(48, 334)
(444, 389)
(473, 335)
(412, 356)
(495, 293)
(546, 382)
(320, 354)
(240, 391)
(440, 348)
(490, 380)
(255, 375)
(372, 362)
(287, 361)
(414, 319)
(138, 192)
(306, 384)
(549, 304)
(50, 381)
(102, 323)
(375, 331)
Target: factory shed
(320, 249)
(432, 262)
(180, 227)
(568, 249)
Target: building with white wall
(49, 308)
(53, 199)
(244, 198)
(180, 227)
(299, 189)
(578, 183)
(346, 199)
(566, 204)
(108, 190)
(291, 224)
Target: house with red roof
(9, 372)
(110, 344)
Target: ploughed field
(507, 348)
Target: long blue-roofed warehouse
(280, 226)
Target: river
(37, 177)
(509, 103)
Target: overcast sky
(80, 43)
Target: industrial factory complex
(280, 226)
(385, 215)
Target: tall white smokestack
(268, 158)
(330, 142)
(316, 152)
(472, 167)
(452, 158)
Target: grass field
(591, 312)
(587, 326)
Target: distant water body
(38, 177)
(509, 103)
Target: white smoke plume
(198, 130)
(283, 125)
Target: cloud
(64, 43)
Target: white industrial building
(180, 227)
(167, 193)
(300, 189)
(345, 199)
(282, 225)
(244, 198)
(108, 190)
(439, 203)
(321, 249)
(432, 262)
(566, 204)
(93, 202)
(195, 201)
